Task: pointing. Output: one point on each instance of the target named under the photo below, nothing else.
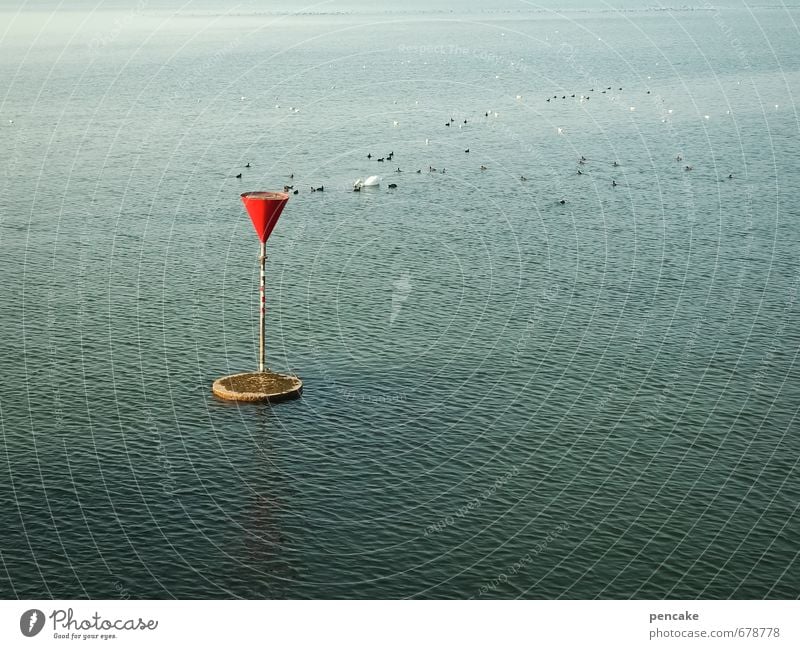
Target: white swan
(371, 181)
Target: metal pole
(261, 354)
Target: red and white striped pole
(262, 319)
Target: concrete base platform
(258, 386)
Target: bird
(523, 178)
(730, 175)
(484, 167)
(247, 166)
(580, 173)
(357, 188)
(419, 171)
(392, 186)
(291, 176)
(466, 150)
(238, 175)
(562, 201)
(688, 167)
(398, 170)
(613, 183)
(443, 170)
(369, 156)
(380, 159)
(465, 121)
(286, 188)
(679, 157)
(296, 192)
(615, 164)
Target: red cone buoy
(264, 209)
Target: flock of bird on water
(374, 181)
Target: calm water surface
(505, 396)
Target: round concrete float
(257, 386)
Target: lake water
(505, 396)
